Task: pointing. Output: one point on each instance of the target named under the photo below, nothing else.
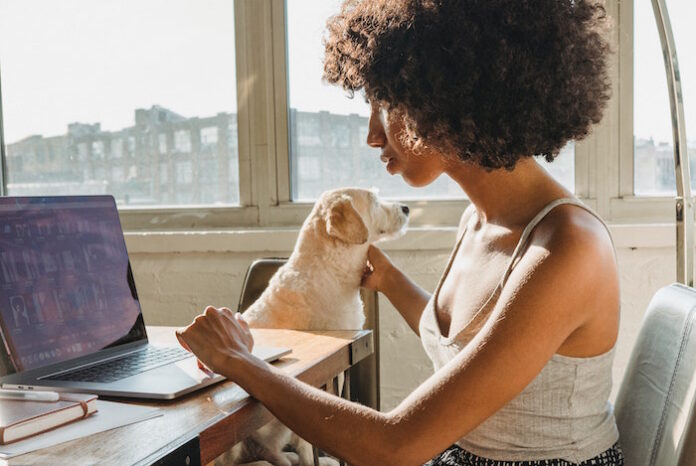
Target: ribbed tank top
(563, 413)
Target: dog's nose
(404, 209)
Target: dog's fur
(319, 289)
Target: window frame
(624, 205)
(603, 161)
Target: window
(82, 152)
(100, 82)
(184, 172)
(130, 140)
(98, 150)
(162, 137)
(652, 130)
(182, 141)
(163, 173)
(117, 148)
(209, 137)
(327, 131)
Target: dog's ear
(344, 222)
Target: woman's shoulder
(574, 222)
(578, 233)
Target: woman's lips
(390, 161)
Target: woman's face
(417, 169)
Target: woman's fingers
(247, 331)
(181, 340)
(241, 326)
(373, 268)
(204, 368)
(377, 267)
(234, 318)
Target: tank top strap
(527, 232)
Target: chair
(256, 280)
(655, 404)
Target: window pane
(563, 167)
(136, 98)
(328, 130)
(652, 129)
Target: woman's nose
(376, 137)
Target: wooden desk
(206, 423)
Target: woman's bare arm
(538, 309)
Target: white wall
(179, 274)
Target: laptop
(69, 311)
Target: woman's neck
(505, 197)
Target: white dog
(319, 289)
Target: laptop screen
(66, 287)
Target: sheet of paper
(109, 416)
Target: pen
(28, 395)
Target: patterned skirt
(456, 456)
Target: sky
(95, 61)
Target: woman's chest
(468, 291)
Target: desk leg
(315, 453)
(346, 385)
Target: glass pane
(136, 98)
(328, 130)
(563, 167)
(652, 129)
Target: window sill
(626, 236)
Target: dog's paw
(293, 457)
(326, 461)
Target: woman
(522, 326)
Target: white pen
(28, 395)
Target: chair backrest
(655, 404)
(256, 280)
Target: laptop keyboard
(116, 369)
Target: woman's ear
(344, 222)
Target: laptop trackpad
(166, 381)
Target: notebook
(20, 419)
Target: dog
(318, 288)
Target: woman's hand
(380, 274)
(217, 337)
(377, 268)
